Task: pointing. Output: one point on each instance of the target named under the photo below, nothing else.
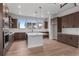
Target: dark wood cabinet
(64, 22)
(45, 34)
(71, 20)
(76, 19)
(1, 30)
(19, 36)
(67, 21)
(62, 38)
(46, 25)
(69, 39)
(59, 24)
(14, 23)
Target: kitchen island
(35, 39)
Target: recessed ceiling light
(19, 6)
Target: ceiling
(33, 10)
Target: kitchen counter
(35, 39)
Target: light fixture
(40, 24)
(63, 4)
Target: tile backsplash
(71, 31)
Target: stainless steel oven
(6, 38)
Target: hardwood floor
(50, 48)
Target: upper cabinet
(46, 25)
(64, 22)
(1, 7)
(71, 20)
(14, 22)
(59, 24)
(76, 18)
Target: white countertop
(28, 30)
(35, 33)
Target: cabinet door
(64, 22)
(69, 39)
(59, 37)
(67, 21)
(78, 41)
(76, 19)
(70, 21)
(14, 23)
(72, 40)
(46, 25)
(59, 24)
(19, 36)
(75, 41)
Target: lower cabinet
(20, 36)
(68, 39)
(45, 34)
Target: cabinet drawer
(61, 38)
(69, 39)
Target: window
(30, 24)
(22, 23)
